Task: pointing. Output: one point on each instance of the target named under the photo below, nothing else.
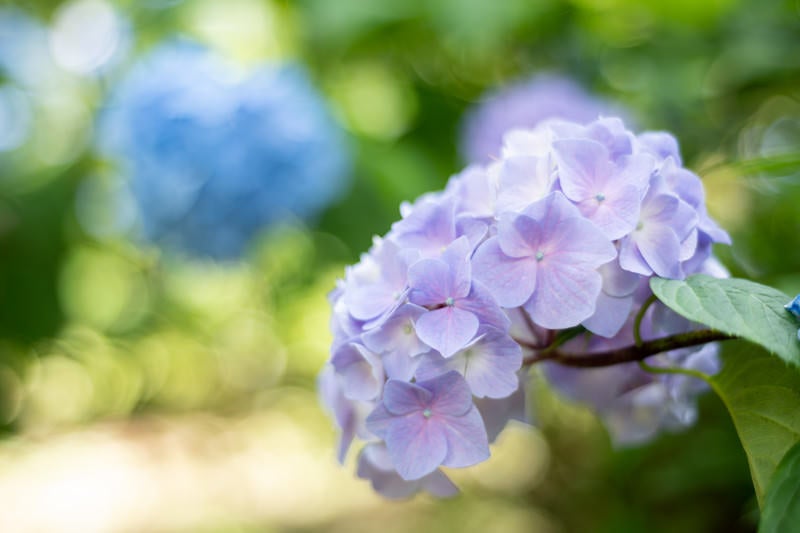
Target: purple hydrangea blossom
(361, 371)
(606, 193)
(546, 259)
(489, 364)
(523, 180)
(377, 284)
(435, 328)
(430, 423)
(375, 464)
(455, 303)
(398, 342)
(656, 244)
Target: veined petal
(397, 333)
(399, 365)
(467, 441)
(660, 248)
(489, 365)
(631, 258)
(430, 282)
(428, 226)
(378, 421)
(583, 167)
(447, 329)
(618, 282)
(509, 280)
(616, 214)
(456, 256)
(368, 301)
(451, 394)
(360, 371)
(401, 398)
(610, 315)
(523, 180)
(565, 296)
(416, 444)
(578, 242)
(482, 304)
(518, 235)
(473, 229)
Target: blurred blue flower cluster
(214, 155)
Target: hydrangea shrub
(542, 256)
(214, 155)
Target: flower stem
(633, 353)
(637, 324)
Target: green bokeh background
(205, 372)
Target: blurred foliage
(101, 327)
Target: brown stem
(630, 354)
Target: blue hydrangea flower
(435, 323)
(525, 104)
(214, 157)
(794, 306)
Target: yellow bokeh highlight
(375, 99)
(103, 289)
(249, 31)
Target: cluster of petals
(524, 104)
(212, 155)
(564, 230)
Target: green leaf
(737, 307)
(781, 164)
(762, 395)
(782, 506)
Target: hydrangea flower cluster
(524, 105)
(436, 325)
(214, 156)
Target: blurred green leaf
(737, 307)
(777, 165)
(762, 395)
(782, 506)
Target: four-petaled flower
(545, 259)
(429, 423)
(457, 305)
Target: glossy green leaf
(762, 394)
(735, 306)
(782, 505)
